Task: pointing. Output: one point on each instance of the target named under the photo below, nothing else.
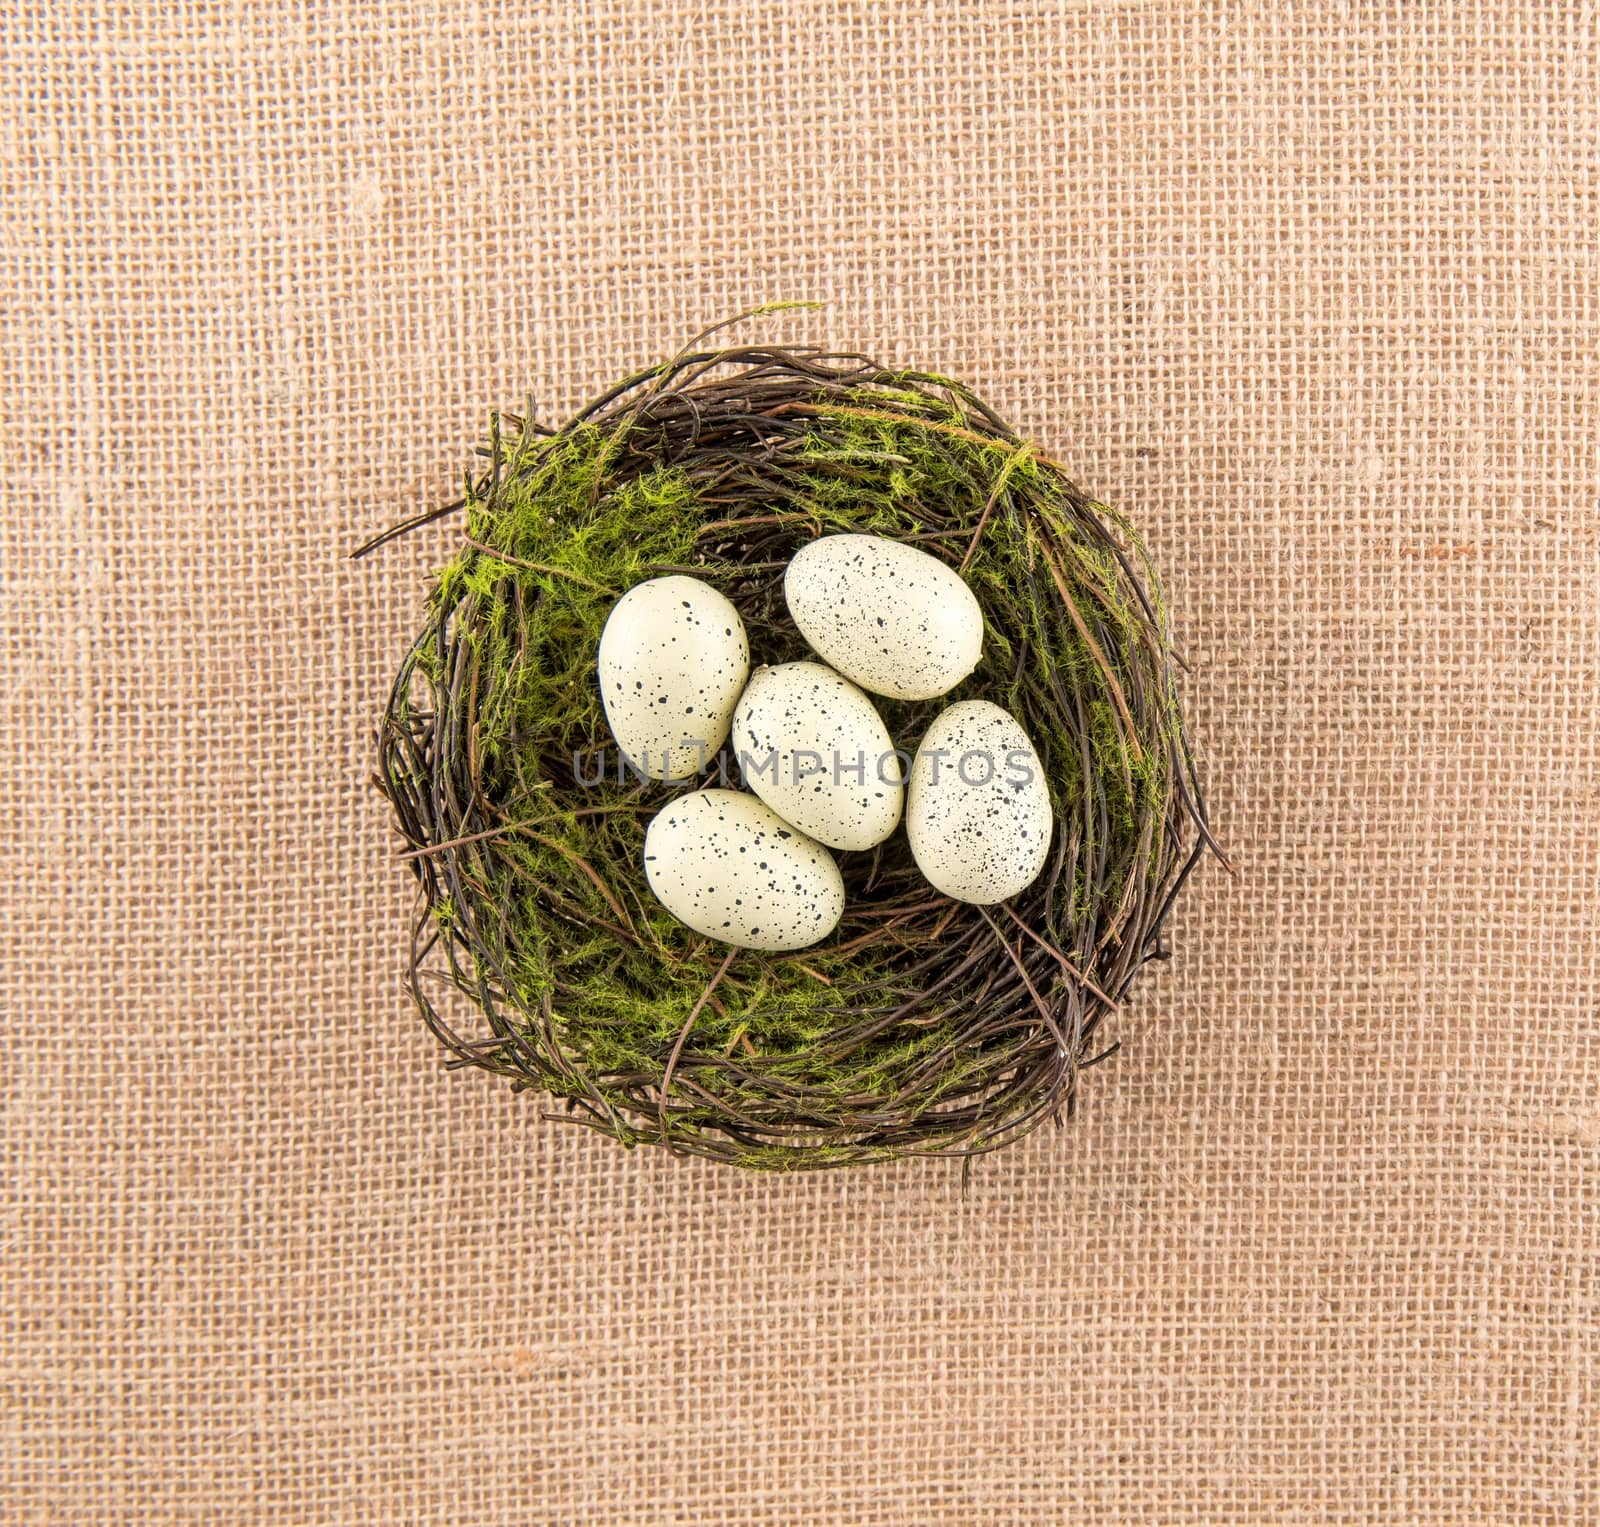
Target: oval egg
(732, 869)
(892, 618)
(814, 748)
(978, 814)
(673, 659)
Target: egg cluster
(752, 867)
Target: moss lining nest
(922, 1025)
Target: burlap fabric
(1314, 293)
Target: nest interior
(921, 1025)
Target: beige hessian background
(1312, 291)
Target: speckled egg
(978, 813)
(814, 748)
(892, 618)
(732, 868)
(673, 659)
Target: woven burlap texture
(1313, 292)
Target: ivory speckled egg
(673, 659)
(733, 869)
(812, 746)
(892, 618)
(978, 813)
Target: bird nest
(921, 1025)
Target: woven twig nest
(921, 1025)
